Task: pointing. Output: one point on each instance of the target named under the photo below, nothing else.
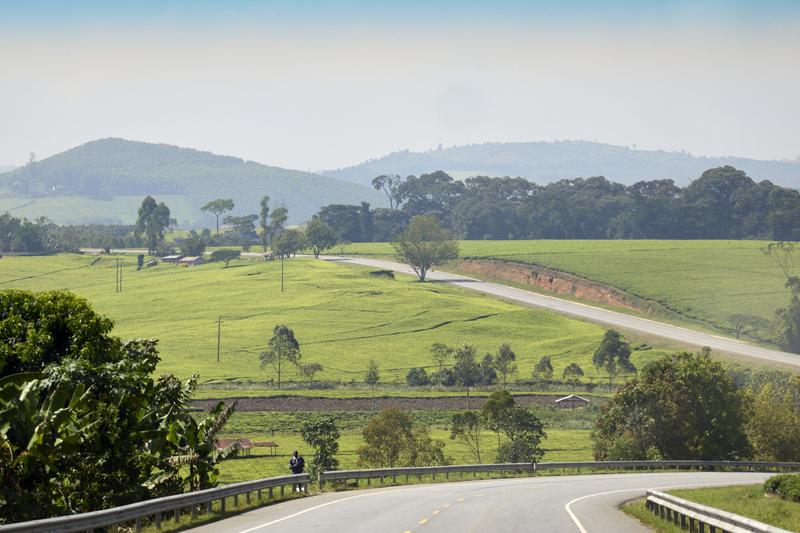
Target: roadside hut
(191, 261)
(572, 401)
(171, 258)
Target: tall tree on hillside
(504, 362)
(217, 207)
(277, 224)
(282, 349)
(572, 375)
(320, 236)
(263, 221)
(425, 243)
(372, 377)
(785, 255)
(467, 427)
(152, 222)
(613, 355)
(389, 184)
(466, 369)
(543, 368)
(441, 354)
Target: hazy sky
(315, 85)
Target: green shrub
(787, 486)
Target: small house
(171, 258)
(191, 261)
(572, 401)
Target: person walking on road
(297, 464)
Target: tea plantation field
(342, 316)
(702, 280)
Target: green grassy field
(745, 500)
(702, 280)
(342, 316)
(567, 439)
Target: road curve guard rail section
(383, 473)
(696, 517)
(155, 510)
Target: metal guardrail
(696, 517)
(446, 471)
(171, 506)
(176, 506)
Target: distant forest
(724, 203)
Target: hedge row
(787, 486)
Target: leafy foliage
(424, 244)
(282, 349)
(390, 440)
(320, 236)
(613, 355)
(322, 435)
(152, 222)
(683, 406)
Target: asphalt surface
(581, 504)
(588, 312)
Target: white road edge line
(582, 529)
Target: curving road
(580, 504)
(588, 312)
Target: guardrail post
(283, 491)
(210, 507)
(259, 494)
(222, 504)
(138, 525)
(236, 500)
(247, 497)
(158, 520)
(305, 488)
(177, 515)
(270, 493)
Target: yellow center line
(446, 505)
(435, 512)
(461, 499)
(423, 521)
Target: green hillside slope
(109, 169)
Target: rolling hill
(544, 162)
(105, 180)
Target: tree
(153, 220)
(320, 236)
(613, 355)
(787, 321)
(773, 424)
(309, 370)
(322, 435)
(196, 446)
(504, 362)
(495, 410)
(744, 323)
(572, 375)
(441, 354)
(225, 255)
(543, 368)
(683, 406)
(389, 184)
(243, 228)
(525, 432)
(193, 245)
(466, 370)
(282, 349)
(467, 427)
(417, 377)
(217, 207)
(372, 377)
(277, 223)
(425, 243)
(390, 440)
(289, 243)
(263, 221)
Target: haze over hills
(105, 180)
(545, 162)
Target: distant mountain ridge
(545, 162)
(107, 169)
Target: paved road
(559, 503)
(588, 312)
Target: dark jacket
(297, 464)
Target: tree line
(723, 203)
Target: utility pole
(219, 331)
(281, 272)
(118, 272)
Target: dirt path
(302, 403)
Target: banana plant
(196, 446)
